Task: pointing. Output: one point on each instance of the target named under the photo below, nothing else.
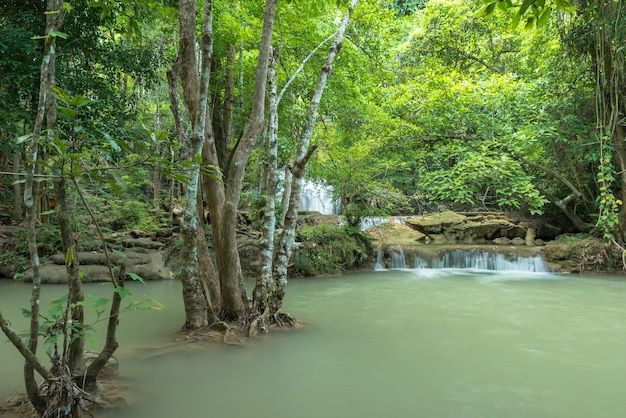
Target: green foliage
(534, 13)
(330, 250)
(609, 206)
(130, 214)
(54, 326)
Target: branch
(111, 343)
(28, 355)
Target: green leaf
(91, 340)
(530, 23)
(98, 303)
(26, 313)
(122, 291)
(24, 138)
(57, 34)
(487, 10)
(516, 18)
(525, 5)
(70, 113)
(69, 257)
(544, 17)
(564, 5)
(120, 253)
(136, 277)
(67, 6)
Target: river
(394, 344)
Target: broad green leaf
(525, 5)
(544, 17)
(98, 303)
(136, 277)
(120, 253)
(70, 113)
(69, 256)
(24, 138)
(122, 291)
(57, 34)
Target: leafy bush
(131, 214)
(330, 250)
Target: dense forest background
(120, 115)
(430, 104)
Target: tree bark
(18, 206)
(54, 21)
(265, 285)
(195, 92)
(562, 204)
(234, 299)
(304, 153)
(74, 356)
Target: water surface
(422, 343)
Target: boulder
(434, 223)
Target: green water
(421, 343)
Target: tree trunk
(195, 91)
(18, 206)
(610, 72)
(304, 153)
(74, 357)
(265, 285)
(54, 21)
(562, 204)
(264, 281)
(224, 216)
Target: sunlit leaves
(534, 13)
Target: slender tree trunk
(265, 285)
(304, 153)
(195, 91)
(18, 206)
(74, 357)
(264, 274)
(54, 22)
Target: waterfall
(471, 258)
(315, 197)
(379, 261)
(397, 260)
(484, 260)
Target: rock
(434, 223)
(518, 241)
(531, 234)
(502, 241)
(148, 264)
(111, 368)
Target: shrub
(330, 250)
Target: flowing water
(391, 343)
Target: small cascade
(316, 197)
(460, 258)
(379, 261)
(397, 260)
(419, 263)
(475, 258)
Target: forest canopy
(115, 115)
